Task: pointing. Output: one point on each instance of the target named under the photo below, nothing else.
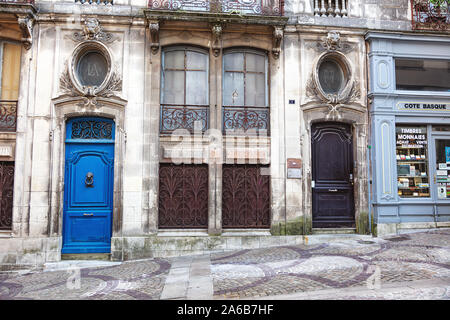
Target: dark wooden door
(332, 175)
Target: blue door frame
(88, 185)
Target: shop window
(245, 94)
(422, 74)
(412, 162)
(184, 94)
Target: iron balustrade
(17, 1)
(8, 115)
(429, 16)
(251, 7)
(95, 1)
(246, 119)
(187, 117)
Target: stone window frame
(79, 51)
(346, 68)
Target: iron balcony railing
(8, 115)
(246, 119)
(17, 1)
(250, 7)
(95, 1)
(429, 16)
(191, 118)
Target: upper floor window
(422, 74)
(10, 54)
(184, 94)
(245, 90)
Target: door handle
(88, 214)
(332, 190)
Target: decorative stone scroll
(217, 37)
(277, 37)
(26, 26)
(332, 43)
(154, 34)
(92, 30)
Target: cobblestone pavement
(291, 269)
(389, 268)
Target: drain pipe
(369, 160)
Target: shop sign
(423, 106)
(410, 137)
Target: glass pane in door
(443, 168)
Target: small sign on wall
(294, 168)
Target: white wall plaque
(294, 173)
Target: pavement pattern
(407, 266)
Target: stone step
(333, 230)
(86, 256)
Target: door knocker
(89, 181)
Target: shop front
(410, 118)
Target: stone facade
(134, 37)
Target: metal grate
(8, 115)
(429, 16)
(6, 194)
(183, 196)
(245, 197)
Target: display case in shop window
(412, 162)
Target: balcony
(17, 1)
(429, 16)
(190, 118)
(245, 119)
(8, 115)
(240, 7)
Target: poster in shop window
(447, 154)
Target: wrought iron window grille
(427, 15)
(250, 7)
(8, 115)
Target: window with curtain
(184, 91)
(245, 92)
(10, 53)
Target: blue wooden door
(88, 186)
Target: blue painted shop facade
(410, 130)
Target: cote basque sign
(423, 106)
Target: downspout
(369, 146)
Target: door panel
(332, 159)
(88, 194)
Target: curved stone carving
(92, 30)
(26, 26)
